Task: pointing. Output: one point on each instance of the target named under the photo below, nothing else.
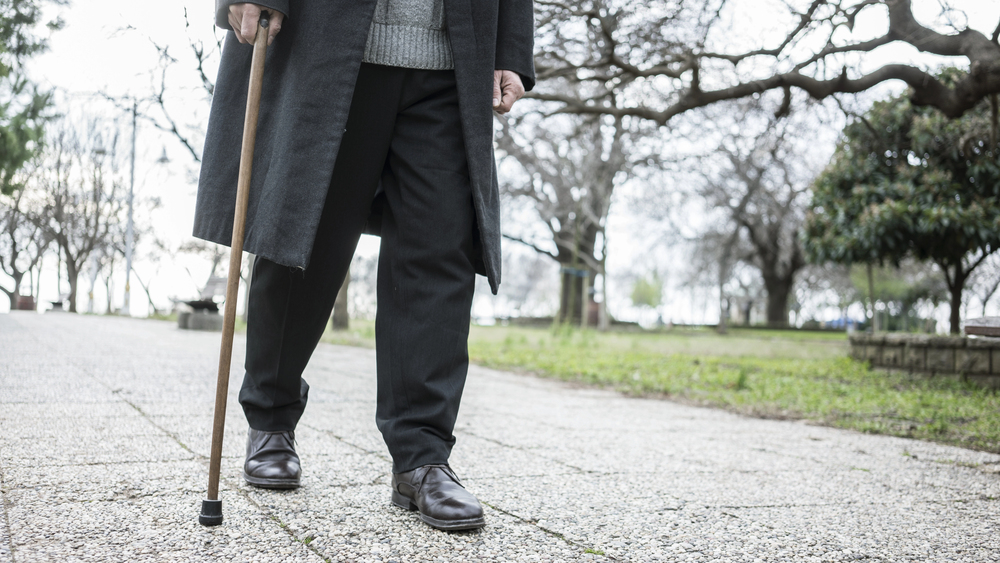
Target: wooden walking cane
(211, 508)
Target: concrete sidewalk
(106, 428)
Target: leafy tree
(23, 112)
(22, 105)
(908, 182)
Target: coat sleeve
(222, 9)
(516, 39)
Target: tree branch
(532, 246)
(610, 64)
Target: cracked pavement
(106, 427)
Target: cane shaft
(236, 256)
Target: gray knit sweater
(410, 34)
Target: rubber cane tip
(211, 513)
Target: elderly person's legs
(425, 288)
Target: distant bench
(203, 313)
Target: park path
(105, 430)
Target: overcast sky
(107, 46)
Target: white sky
(96, 53)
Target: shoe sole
(261, 483)
(447, 525)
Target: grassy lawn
(773, 374)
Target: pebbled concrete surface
(105, 425)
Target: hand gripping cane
(211, 508)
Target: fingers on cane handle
(262, 25)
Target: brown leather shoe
(436, 492)
(271, 460)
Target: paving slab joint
(526, 450)
(553, 533)
(5, 534)
(117, 393)
(306, 542)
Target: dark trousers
(403, 131)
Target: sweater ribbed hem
(408, 47)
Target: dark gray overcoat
(309, 79)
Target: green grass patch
(765, 373)
(697, 342)
(773, 378)
(789, 334)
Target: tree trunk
(871, 296)
(956, 285)
(110, 294)
(603, 322)
(14, 295)
(778, 291)
(59, 292)
(72, 272)
(723, 309)
(570, 297)
(94, 272)
(341, 316)
(38, 281)
(724, 259)
(956, 304)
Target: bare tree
(107, 263)
(986, 281)
(81, 184)
(161, 105)
(570, 169)
(23, 241)
(669, 57)
(214, 253)
(114, 248)
(716, 257)
(757, 187)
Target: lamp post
(129, 227)
(129, 235)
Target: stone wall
(974, 359)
